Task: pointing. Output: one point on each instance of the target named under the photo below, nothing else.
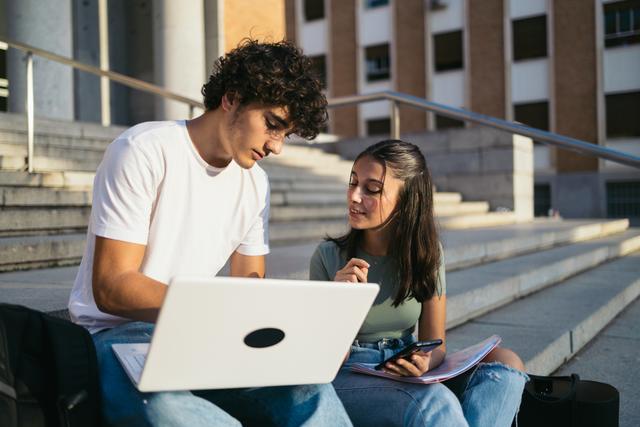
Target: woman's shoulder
(328, 250)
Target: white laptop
(227, 332)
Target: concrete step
(465, 248)
(49, 164)
(549, 327)
(621, 339)
(306, 212)
(67, 179)
(477, 290)
(54, 151)
(43, 196)
(17, 221)
(488, 219)
(25, 252)
(297, 231)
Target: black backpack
(48, 371)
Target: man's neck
(207, 134)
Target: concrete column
(487, 68)
(86, 49)
(214, 36)
(575, 76)
(47, 25)
(178, 41)
(343, 64)
(408, 59)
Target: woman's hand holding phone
(355, 271)
(416, 366)
(411, 361)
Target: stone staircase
(44, 215)
(547, 287)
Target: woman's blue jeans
(488, 396)
(124, 405)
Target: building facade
(567, 66)
(170, 43)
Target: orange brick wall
(263, 20)
(486, 54)
(575, 75)
(408, 57)
(343, 67)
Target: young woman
(393, 241)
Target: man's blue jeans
(124, 405)
(490, 396)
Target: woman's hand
(355, 271)
(416, 366)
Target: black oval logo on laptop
(265, 337)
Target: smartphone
(424, 346)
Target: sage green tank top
(383, 320)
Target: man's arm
(247, 266)
(118, 286)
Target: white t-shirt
(154, 189)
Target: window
(535, 114)
(623, 115)
(379, 127)
(541, 199)
(622, 23)
(320, 69)
(623, 199)
(378, 64)
(530, 38)
(443, 122)
(448, 51)
(371, 4)
(313, 10)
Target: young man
(180, 197)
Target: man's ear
(228, 100)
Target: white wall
(621, 69)
(628, 145)
(450, 18)
(448, 88)
(530, 80)
(374, 25)
(374, 28)
(312, 36)
(525, 8)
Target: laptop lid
(227, 332)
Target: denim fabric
(488, 396)
(124, 405)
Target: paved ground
(614, 357)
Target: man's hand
(416, 366)
(355, 271)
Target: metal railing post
(395, 120)
(30, 108)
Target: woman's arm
(432, 326)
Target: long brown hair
(414, 246)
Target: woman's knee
(506, 357)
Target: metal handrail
(395, 98)
(112, 75)
(561, 141)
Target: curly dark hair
(270, 74)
